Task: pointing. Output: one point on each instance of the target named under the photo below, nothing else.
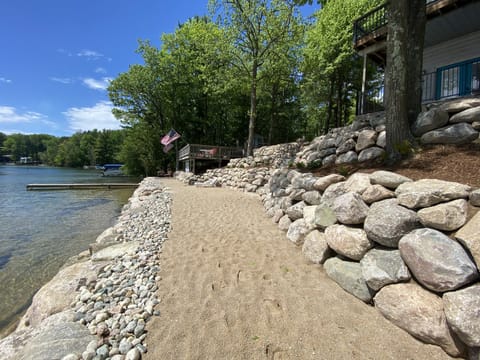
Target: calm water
(40, 230)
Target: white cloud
(88, 118)
(90, 54)
(63, 51)
(62, 80)
(9, 114)
(100, 70)
(4, 80)
(97, 84)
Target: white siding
(452, 51)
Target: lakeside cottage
(451, 56)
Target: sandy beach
(233, 287)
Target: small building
(198, 158)
(451, 56)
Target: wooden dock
(86, 186)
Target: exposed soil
(459, 163)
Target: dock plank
(85, 186)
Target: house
(451, 56)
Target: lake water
(40, 230)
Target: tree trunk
(273, 112)
(253, 108)
(403, 74)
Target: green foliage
(404, 148)
(332, 71)
(314, 164)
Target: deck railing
(209, 152)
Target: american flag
(171, 136)
(167, 148)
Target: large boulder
(461, 133)
(350, 209)
(297, 231)
(346, 146)
(319, 216)
(348, 275)
(312, 197)
(358, 182)
(315, 247)
(429, 120)
(332, 192)
(375, 193)
(469, 236)
(437, 262)
(469, 115)
(54, 338)
(428, 192)
(349, 157)
(284, 223)
(366, 139)
(383, 267)
(325, 181)
(459, 105)
(295, 212)
(475, 198)
(57, 295)
(420, 313)
(347, 241)
(370, 154)
(462, 312)
(387, 222)
(388, 179)
(447, 216)
(382, 139)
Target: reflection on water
(40, 230)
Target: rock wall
(409, 248)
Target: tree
(403, 75)
(331, 69)
(256, 28)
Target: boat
(112, 170)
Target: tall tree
(403, 75)
(256, 28)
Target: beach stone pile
(274, 156)
(97, 307)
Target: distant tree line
(88, 148)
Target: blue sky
(58, 56)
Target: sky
(58, 56)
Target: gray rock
(347, 241)
(102, 351)
(420, 313)
(324, 182)
(332, 192)
(350, 209)
(383, 267)
(277, 215)
(348, 275)
(459, 105)
(346, 146)
(382, 139)
(349, 157)
(284, 223)
(297, 231)
(388, 179)
(326, 143)
(469, 236)
(429, 120)
(327, 152)
(111, 252)
(329, 160)
(469, 115)
(303, 181)
(312, 197)
(295, 212)
(376, 193)
(315, 247)
(133, 354)
(437, 262)
(358, 182)
(387, 222)
(56, 337)
(366, 139)
(476, 125)
(370, 154)
(447, 216)
(474, 197)
(461, 133)
(462, 310)
(319, 216)
(428, 192)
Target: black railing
(370, 22)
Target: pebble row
(118, 304)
